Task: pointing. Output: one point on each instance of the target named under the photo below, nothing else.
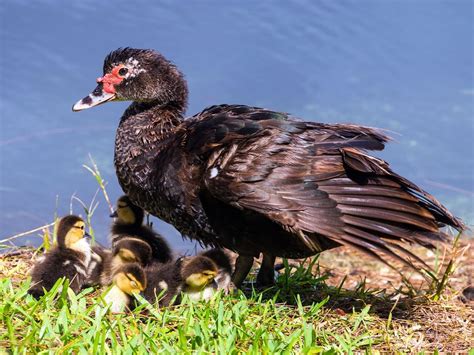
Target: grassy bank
(324, 307)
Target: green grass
(302, 314)
(64, 322)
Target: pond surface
(401, 65)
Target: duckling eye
(82, 227)
(123, 71)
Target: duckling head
(71, 232)
(127, 212)
(131, 250)
(198, 271)
(130, 278)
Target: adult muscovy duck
(258, 181)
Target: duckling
(126, 250)
(129, 224)
(198, 274)
(224, 267)
(189, 275)
(69, 259)
(129, 279)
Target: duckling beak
(96, 97)
(114, 214)
(87, 235)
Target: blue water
(402, 65)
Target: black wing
(314, 179)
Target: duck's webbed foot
(243, 264)
(266, 274)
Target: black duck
(258, 181)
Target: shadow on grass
(298, 282)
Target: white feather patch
(83, 246)
(205, 294)
(163, 285)
(116, 299)
(80, 270)
(92, 266)
(214, 172)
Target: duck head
(71, 232)
(127, 212)
(197, 271)
(130, 279)
(141, 75)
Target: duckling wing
(314, 180)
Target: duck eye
(82, 227)
(123, 71)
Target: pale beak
(96, 97)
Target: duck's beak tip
(97, 97)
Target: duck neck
(142, 134)
(153, 117)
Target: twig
(96, 173)
(26, 233)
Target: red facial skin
(111, 79)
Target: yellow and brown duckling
(69, 259)
(128, 280)
(126, 251)
(223, 279)
(190, 275)
(130, 234)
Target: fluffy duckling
(128, 280)
(70, 258)
(129, 224)
(198, 275)
(126, 250)
(190, 275)
(224, 269)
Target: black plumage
(258, 181)
(163, 283)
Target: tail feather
(386, 246)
